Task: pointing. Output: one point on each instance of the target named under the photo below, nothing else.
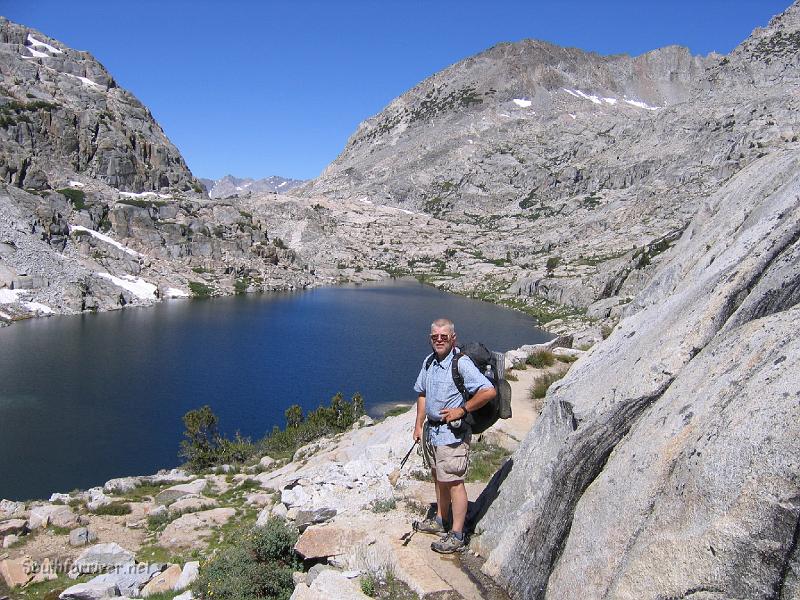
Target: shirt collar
(447, 359)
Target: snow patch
(4, 315)
(176, 293)
(34, 42)
(104, 238)
(145, 195)
(10, 296)
(521, 102)
(84, 80)
(36, 306)
(13, 296)
(135, 285)
(610, 101)
(640, 104)
(36, 53)
(573, 116)
(364, 200)
(77, 184)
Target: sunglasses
(440, 337)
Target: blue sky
(262, 88)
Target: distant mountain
(206, 183)
(234, 186)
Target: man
(441, 425)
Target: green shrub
(200, 290)
(484, 461)
(325, 420)
(605, 331)
(543, 383)
(382, 506)
(240, 286)
(114, 508)
(566, 358)
(511, 376)
(541, 359)
(368, 585)
(205, 447)
(76, 197)
(259, 564)
(397, 410)
(157, 520)
(552, 263)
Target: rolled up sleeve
(474, 380)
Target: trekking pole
(402, 462)
(395, 475)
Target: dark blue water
(87, 398)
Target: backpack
(492, 365)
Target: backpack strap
(429, 361)
(458, 379)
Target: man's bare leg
(457, 494)
(442, 498)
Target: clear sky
(276, 88)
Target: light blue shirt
(440, 392)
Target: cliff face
(665, 464)
(63, 115)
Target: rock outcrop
(62, 115)
(681, 476)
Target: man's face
(442, 341)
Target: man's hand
(417, 433)
(451, 414)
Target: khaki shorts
(449, 463)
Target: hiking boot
(449, 544)
(428, 526)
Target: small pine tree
(202, 438)
(294, 416)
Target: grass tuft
(543, 383)
(541, 359)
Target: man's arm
(420, 417)
(481, 397)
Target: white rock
(122, 485)
(89, 591)
(56, 514)
(263, 517)
(9, 508)
(266, 462)
(189, 573)
(101, 557)
(280, 510)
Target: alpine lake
(87, 398)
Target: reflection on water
(87, 398)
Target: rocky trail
(353, 521)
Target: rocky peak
(62, 115)
(770, 53)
